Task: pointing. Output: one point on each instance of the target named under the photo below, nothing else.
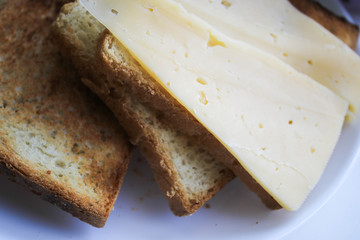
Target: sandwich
(57, 138)
(272, 122)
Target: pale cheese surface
(280, 29)
(281, 125)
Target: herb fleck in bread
(186, 173)
(57, 138)
(122, 69)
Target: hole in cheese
(114, 11)
(226, 3)
(149, 8)
(213, 41)
(203, 98)
(312, 150)
(201, 81)
(273, 36)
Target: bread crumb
(207, 206)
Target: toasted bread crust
(51, 194)
(141, 131)
(181, 204)
(143, 87)
(43, 99)
(129, 73)
(338, 26)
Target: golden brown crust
(52, 195)
(60, 195)
(341, 28)
(42, 95)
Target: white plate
(141, 211)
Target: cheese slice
(281, 125)
(280, 29)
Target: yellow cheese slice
(280, 29)
(280, 124)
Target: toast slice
(57, 139)
(122, 69)
(187, 174)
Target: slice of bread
(57, 138)
(121, 69)
(185, 172)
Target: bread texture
(121, 69)
(57, 138)
(338, 26)
(186, 173)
